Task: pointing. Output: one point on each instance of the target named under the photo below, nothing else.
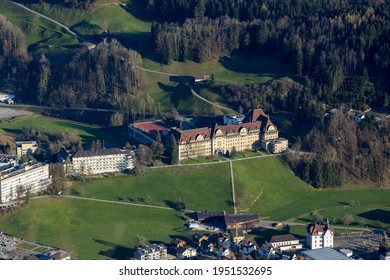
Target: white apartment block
(100, 161)
(154, 252)
(319, 235)
(15, 182)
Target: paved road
(109, 201)
(216, 162)
(62, 108)
(52, 20)
(268, 224)
(233, 190)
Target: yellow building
(255, 131)
(193, 143)
(25, 148)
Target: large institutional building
(100, 161)
(253, 131)
(16, 181)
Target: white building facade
(15, 183)
(154, 252)
(319, 235)
(102, 161)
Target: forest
(105, 77)
(342, 46)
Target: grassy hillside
(39, 32)
(201, 187)
(269, 187)
(132, 25)
(92, 230)
(55, 126)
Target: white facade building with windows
(102, 161)
(319, 235)
(15, 182)
(154, 252)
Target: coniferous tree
(174, 151)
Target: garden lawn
(55, 126)
(92, 230)
(200, 187)
(268, 186)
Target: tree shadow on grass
(377, 215)
(115, 251)
(170, 204)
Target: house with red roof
(319, 235)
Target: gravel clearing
(7, 113)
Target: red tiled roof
(187, 136)
(150, 126)
(259, 115)
(234, 129)
(318, 229)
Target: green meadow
(200, 187)
(269, 187)
(54, 126)
(92, 230)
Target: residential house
(198, 238)
(7, 98)
(248, 245)
(208, 247)
(223, 251)
(230, 257)
(223, 241)
(186, 252)
(319, 235)
(267, 251)
(154, 252)
(177, 243)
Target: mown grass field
(92, 230)
(55, 126)
(268, 186)
(201, 187)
